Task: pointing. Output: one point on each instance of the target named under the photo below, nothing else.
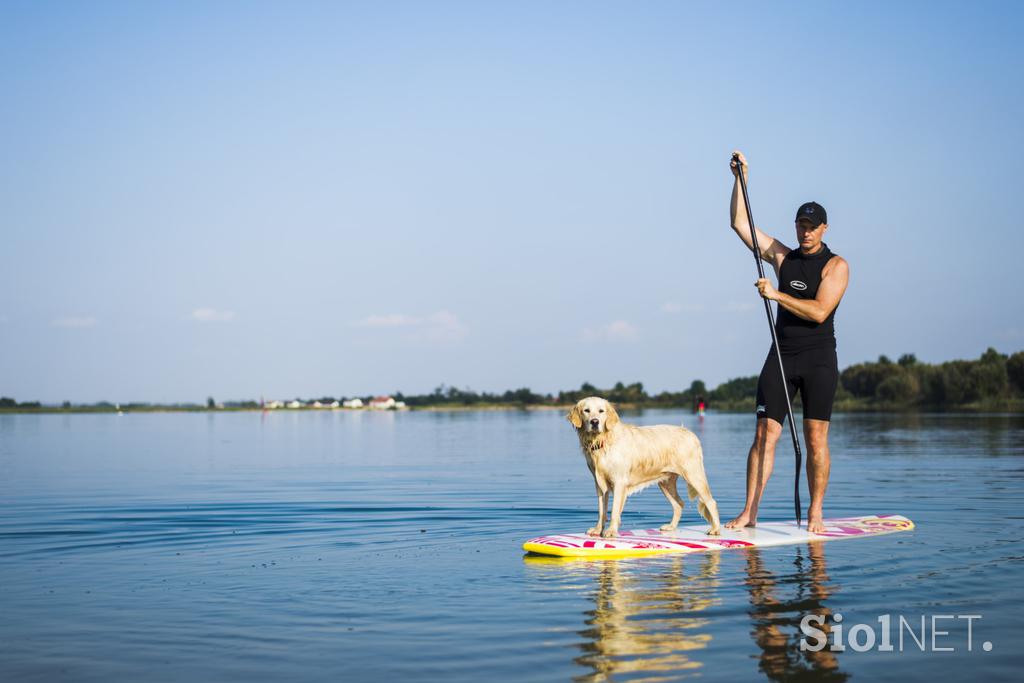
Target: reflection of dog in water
(650, 621)
(625, 459)
(647, 615)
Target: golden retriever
(625, 459)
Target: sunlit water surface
(360, 546)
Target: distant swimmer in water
(812, 281)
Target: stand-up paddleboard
(694, 539)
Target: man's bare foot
(814, 523)
(741, 521)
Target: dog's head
(593, 415)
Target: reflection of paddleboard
(694, 539)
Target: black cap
(812, 211)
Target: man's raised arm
(772, 250)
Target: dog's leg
(697, 486)
(618, 502)
(602, 510)
(668, 487)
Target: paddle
(775, 338)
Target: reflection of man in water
(812, 280)
(776, 618)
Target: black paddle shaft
(775, 338)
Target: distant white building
(382, 403)
(400, 405)
(353, 403)
(295, 404)
(335, 404)
(318, 404)
(273, 405)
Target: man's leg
(818, 465)
(821, 378)
(759, 469)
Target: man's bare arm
(772, 250)
(835, 277)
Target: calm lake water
(343, 546)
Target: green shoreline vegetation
(992, 383)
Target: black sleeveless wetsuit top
(800, 277)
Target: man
(812, 282)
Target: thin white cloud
(440, 327)
(618, 330)
(212, 315)
(444, 327)
(74, 321)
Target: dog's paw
(594, 531)
(610, 533)
(667, 527)
(714, 532)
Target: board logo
(798, 285)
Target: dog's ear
(575, 416)
(613, 417)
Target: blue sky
(236, 199)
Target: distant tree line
(453, 396)
(994, 381)
(8, 402)
(626, 394)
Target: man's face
(809, 235)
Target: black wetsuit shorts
(812, 372)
